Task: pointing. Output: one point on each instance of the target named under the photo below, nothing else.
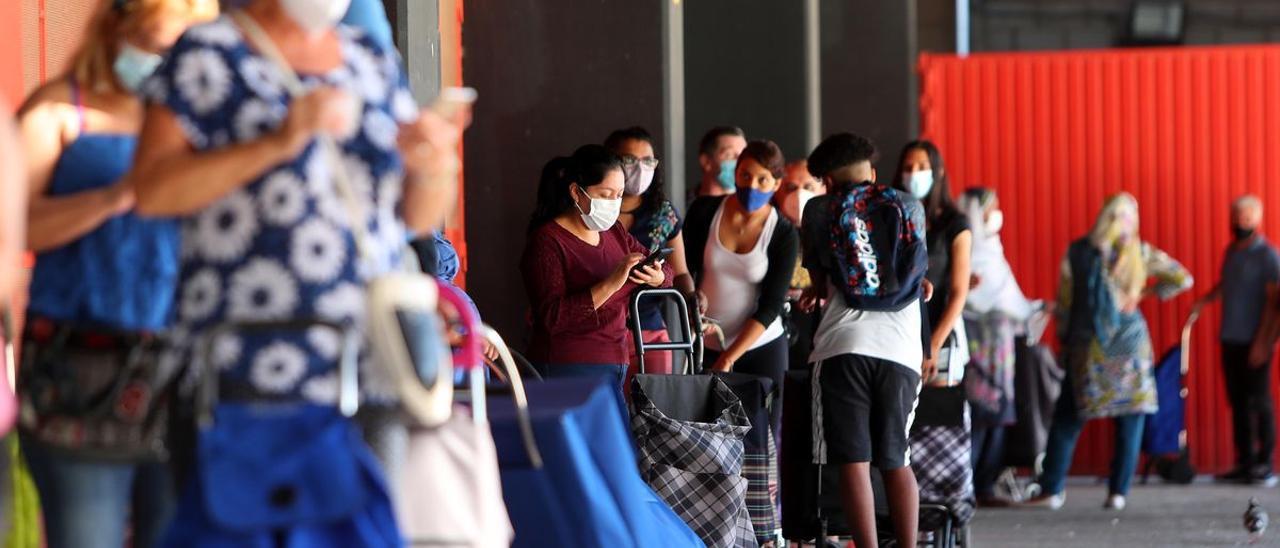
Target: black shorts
(863, 408)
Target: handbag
(283, 473)
(457, 461)
(401, 305)
(95, 394)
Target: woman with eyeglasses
(104, 277)
(654, 222)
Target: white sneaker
(1114, 502)
(1048, 502)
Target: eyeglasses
(648, 161)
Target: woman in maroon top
(578, 268)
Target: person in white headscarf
(994, 311)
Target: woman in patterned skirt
(1105, 344)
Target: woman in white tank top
(742, 254)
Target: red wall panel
(11, 56)
(1185, 130)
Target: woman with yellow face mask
(1106, 346)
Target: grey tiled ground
(1202, 514)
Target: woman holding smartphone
(580, 266)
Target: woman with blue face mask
(949, 238)
(742, 252)
(104, 277)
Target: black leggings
(770, 361)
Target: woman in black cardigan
(742, 252)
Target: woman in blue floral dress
(265, 234)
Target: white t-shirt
(892, 336)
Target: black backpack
(878, 235)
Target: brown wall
(552, 75)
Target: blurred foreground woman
(103, 280)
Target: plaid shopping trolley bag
(689, 435)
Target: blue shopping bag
(283, 476)
(588, 491)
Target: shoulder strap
(325, 144)
(78, 101)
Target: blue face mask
(727, 169)
(133, 66)
(752, 199)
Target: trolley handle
(1185, 349)
(690, 328)
(506, 358)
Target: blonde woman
(104, 277)
(1105, 343)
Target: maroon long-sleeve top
(559, 270)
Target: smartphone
(453, 99)
(653, 258)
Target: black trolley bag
(810, 509)
(690, 432)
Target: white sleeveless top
(731, 282)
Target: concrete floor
(1201, 514)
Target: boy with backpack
(864, 246)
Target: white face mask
(995, 221)
(920, 183)
(793, 206)
(316, 15)
(638, 179)
(603, 214)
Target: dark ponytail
(586, 168)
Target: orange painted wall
(10, 55)
(451, 18)
(1185, 130)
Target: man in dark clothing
(1248, 289)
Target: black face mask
(1241, 233)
